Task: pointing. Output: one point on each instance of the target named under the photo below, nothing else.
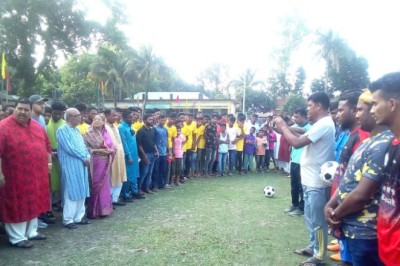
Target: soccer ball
(328, 170)
(269, 191)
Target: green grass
(208, 221)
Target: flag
(137, 97)
(3, 66)
(198, 107)
(186, 104)
(8, 82)
(177, 99)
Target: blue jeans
(160, 172)
(193, 163)
(232, 160)
(188, 162)
(129, 186)
(364, 252)
(221, 162)
(210, 158)
(146, 170)
(314, 203)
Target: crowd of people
(86, 162)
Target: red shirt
(24, 155)
(389, 208)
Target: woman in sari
(102, 152)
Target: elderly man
(25, 194)
(118, 169)
(74, 161)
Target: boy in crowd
(249, 151)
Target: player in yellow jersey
(172, 133)
(200, 146)
(240, 143)
(82, 127)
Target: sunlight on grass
(208, 221)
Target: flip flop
(304, 252)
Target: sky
(192, 35)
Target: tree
(215, 80)
(292, 34)
(258, 101)
(244, 84)
(149, 68)
(55, 26)
(320, 85)
(117, 69)
(344, 69)
(293, 102)
(75, 84)
(300, 80)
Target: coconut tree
(244, 83)
(148, 67)
(116, 68)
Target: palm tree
(244, 83)
(334, 50)
(116, 68)
(148, 67)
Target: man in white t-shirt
(233, 133)
(252, 122)
(318, 143)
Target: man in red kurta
(25, 159)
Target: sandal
(312, 262)
(304, 252)
(23, 244)
(83, 222)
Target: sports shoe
(336, 257)
(296, 212)
(167, 186)
(290, 209)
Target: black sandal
(84, 221)
(23, 244)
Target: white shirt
(320, 150)
(233, 133)
(248, 125)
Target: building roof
(170, 95)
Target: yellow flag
(186, 104)
(3, 66)
(198, 107)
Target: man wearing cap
(38, 108)
(25, 162)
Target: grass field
(207, 221)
